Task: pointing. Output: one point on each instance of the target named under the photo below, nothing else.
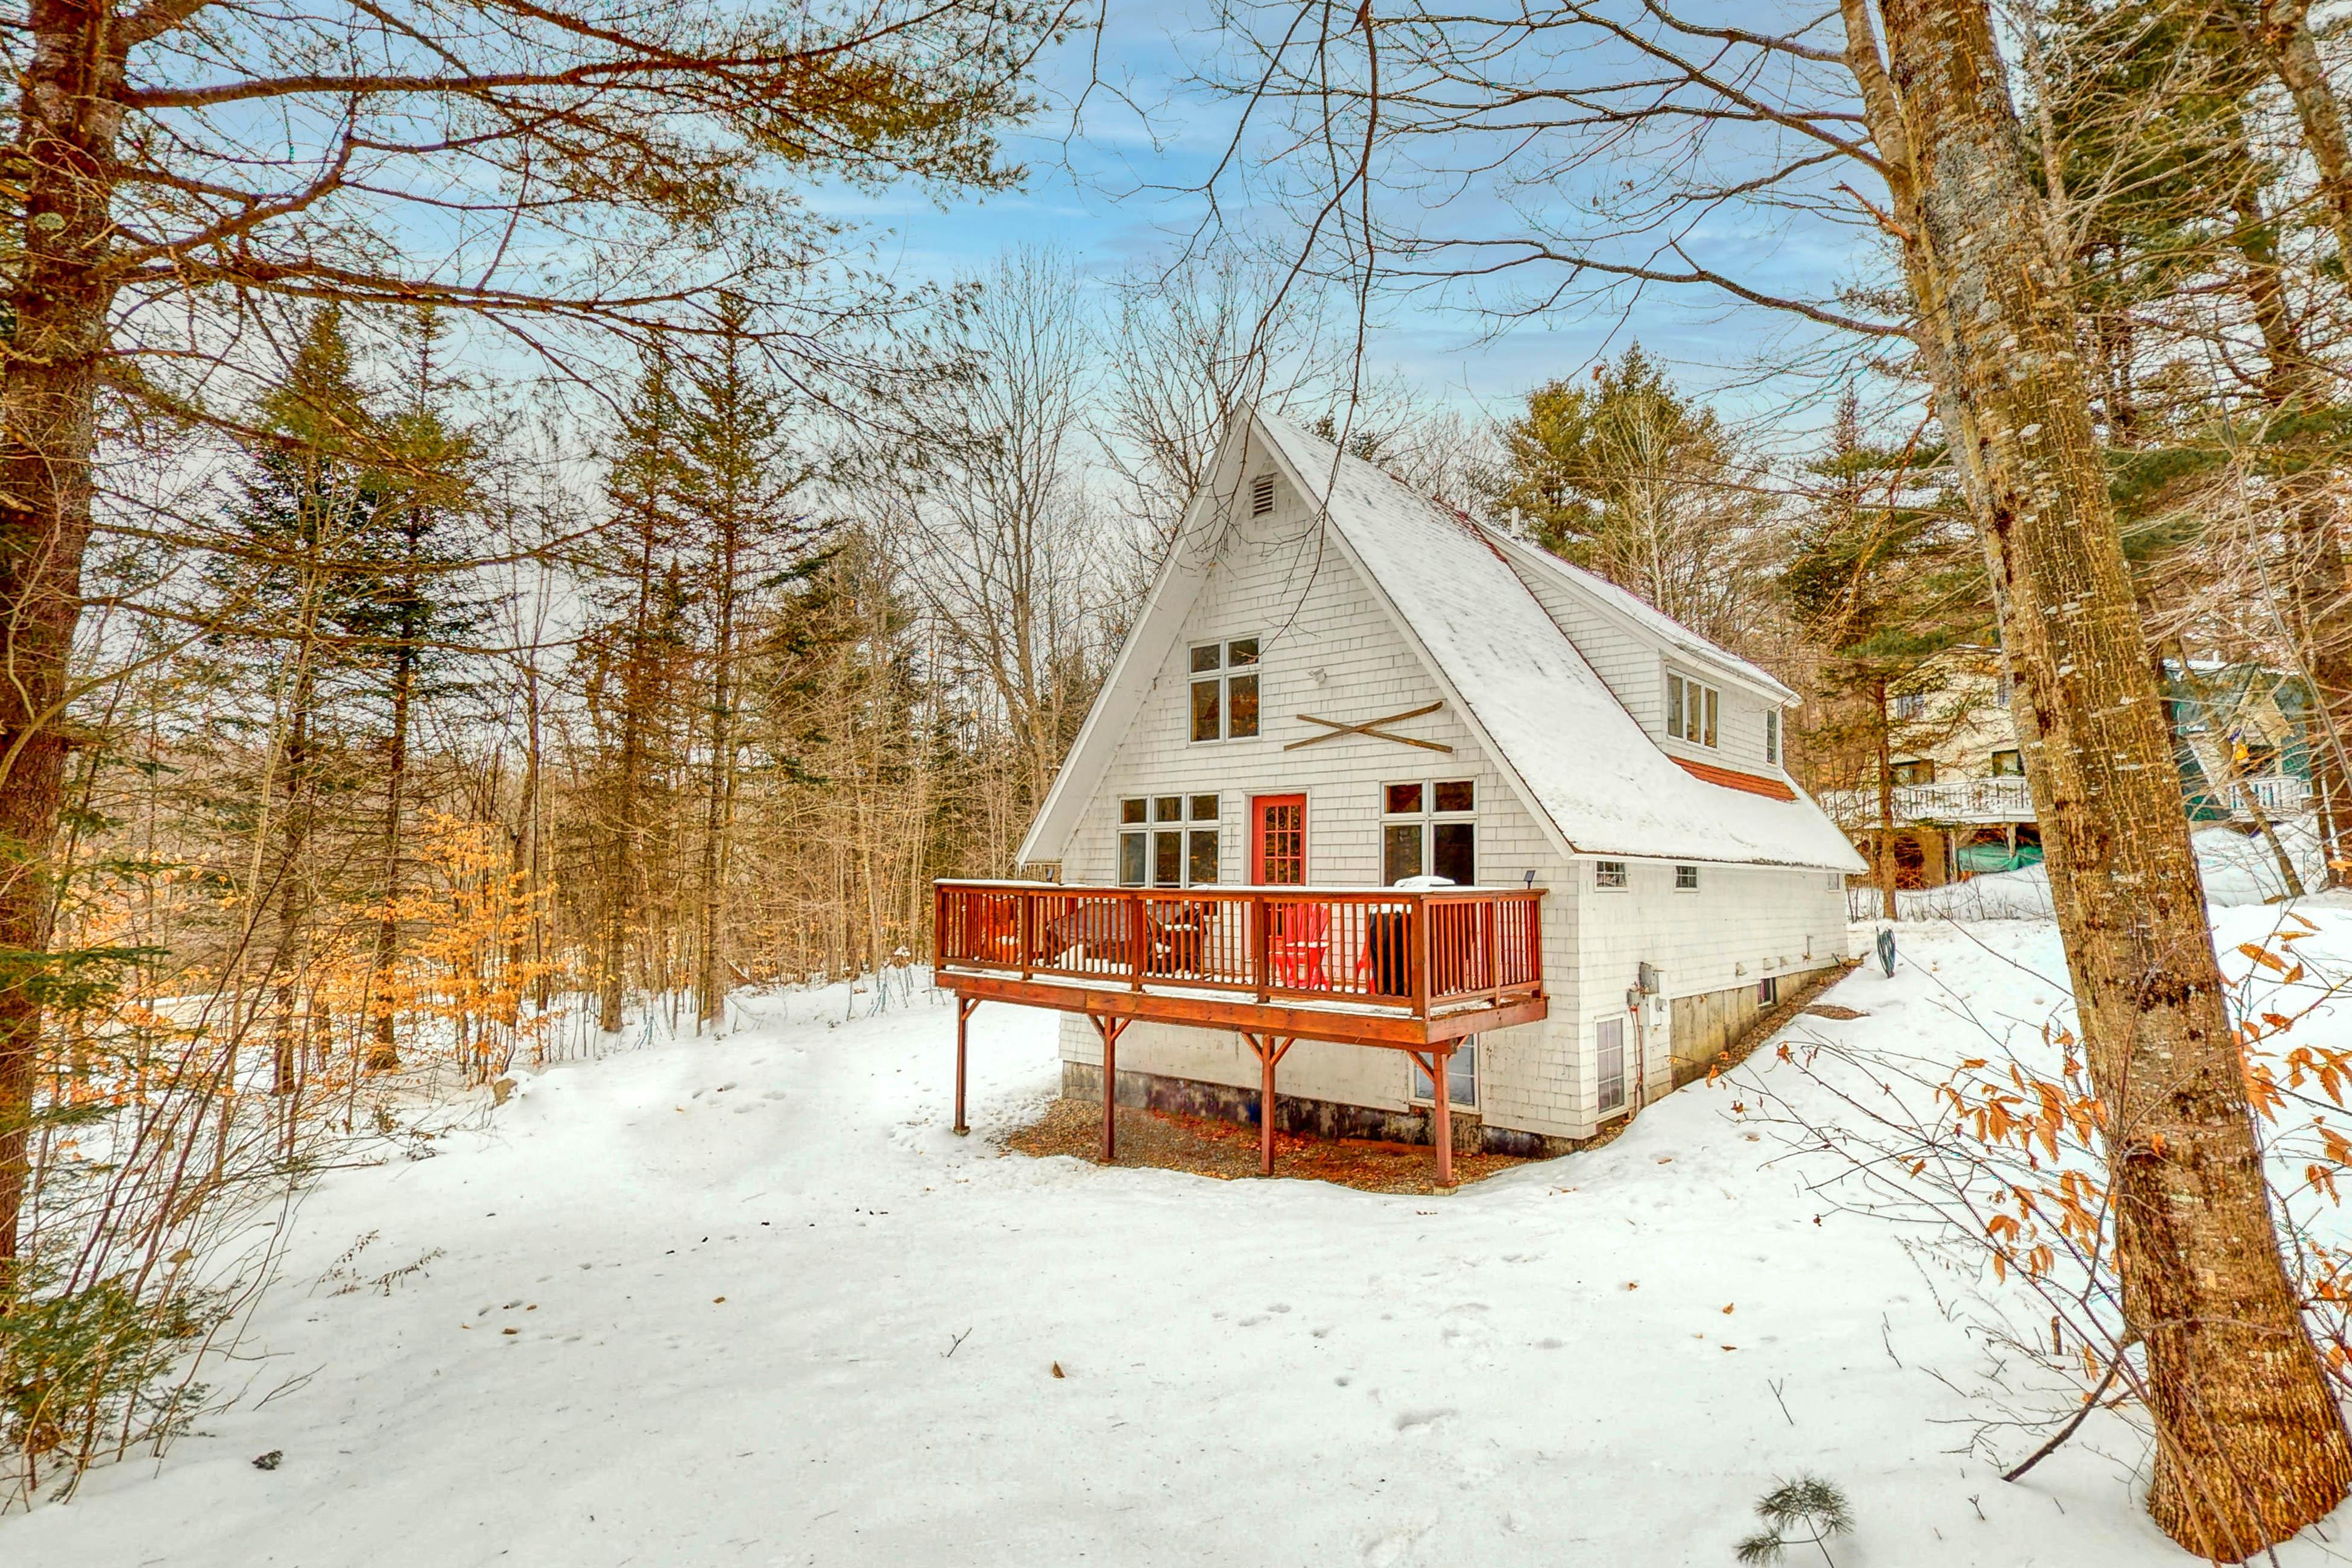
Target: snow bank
(750, 1301)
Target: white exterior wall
(1744, 923)
(1313, 613)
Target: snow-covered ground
(750, 1301)
(2239, 868)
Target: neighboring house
(1426, 800)
(1961, 802)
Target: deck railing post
(1140, 948)
(1258, 945)
(1493, 911)
(1417, 942)
(1025, 923)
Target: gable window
(1430, 829)
(1167, 841)
(1609, 874)
(1772, 736)
(1686, 879)
(1224, 689)
(1609, 1062)
(2009, 764)
(1691, 711)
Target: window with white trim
(1609, 874)
(1608, 1063)
(1224, 689)
(1772, 736)
(1686, 879)
(1691, 711)
(1167, 841)
(1461, 1078)
(1767, 990)
(1430, 829)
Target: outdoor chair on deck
(1297, 939)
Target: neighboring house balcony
(1960, 803)
(1410, 970)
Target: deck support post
(1442, 1056)
(1109, 1029)
(1269, 1052)
(964, 1006)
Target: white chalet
(1479, 848)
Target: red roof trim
(1731, 778)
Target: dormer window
(1772, 736)
(1691, 711)
(1224, 689)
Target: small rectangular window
(1133, 858)
(2009, 764)
(1674, 706)
(1204, 808)
(1400, 852)
(1707, 738)
(1167, 808)
(1919, 771)
(1767, 990)
(1166, 859)
(1609, 873)
(1772, 736)
(1241, 716)
(1204, 659)
(1208, 710)
(1401, 800)
(1461, 1077)
(1686, 879)
(1131, 810)
(1609, 1062)
(1241, 651)
(1261, 495)
(1459, 795)
(1201, 868)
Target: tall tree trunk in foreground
(68, 78)
(383, 1047)
(1884, 760)
(2251, 1447)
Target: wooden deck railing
(1381, 947)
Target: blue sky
(1119, 190)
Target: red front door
(1278, 840)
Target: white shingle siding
(1278, 577)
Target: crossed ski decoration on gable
(1373, 729)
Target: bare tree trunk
(2249, 1444)
(69, 80)
(384, 1049)
(1884, 860)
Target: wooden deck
(1387, 968)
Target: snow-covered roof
(1580, 760)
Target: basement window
(1224, 689)
(1767, 990)
(1608, 1063)
(1461, 1078)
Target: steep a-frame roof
(1583, 764)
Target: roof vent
(1261, 495)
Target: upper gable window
(1224, 689)
(1691, 711)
